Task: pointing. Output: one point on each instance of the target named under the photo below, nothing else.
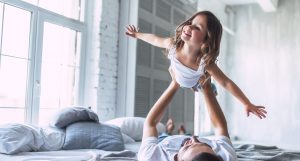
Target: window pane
(13, 78)
(59, 45)
(47, 114)
(69, 8)
(16, 30)
(58, 86)
(34, 2)
(1, 20)
(12, 115)
(65, 97)
(178, 17)
(60, 69)
(163, 10)
(147, 5)
(142, 96)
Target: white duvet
(16, 138)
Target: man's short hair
(207, 157)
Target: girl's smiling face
(195, 32)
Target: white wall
(264, 61)
(221, 11)
(102, 58)
(109, 31)
(215, 6)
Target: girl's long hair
(211, 46)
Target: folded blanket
(125, 155)
(252, 152)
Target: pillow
(133, 126)
(127, 139)
(70, 115)
(15, 138)
(53, 138)
(91, 135)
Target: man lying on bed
(186, 148)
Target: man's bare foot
(181, 130)
(170, 126)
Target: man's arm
(158, 109)
(152, 39)
(215, 112)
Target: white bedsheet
(77, 155)
(135, 146)
(62, 155)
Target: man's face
(192, 147)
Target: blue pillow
(70, 115)
(91, 135)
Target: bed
(245, 152)
(256, 152)
(75, 134)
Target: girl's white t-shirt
(185, 76)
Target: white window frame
(126, 60)
(38, 18)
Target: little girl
(193, 53)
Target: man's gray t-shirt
(165, 150)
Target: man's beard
(189, 138)
(184, 140)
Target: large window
(68, 8)
(41, 49)
(14, 62)
(60, 69)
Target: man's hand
(173, 77)
(132, 31)
(202, 82)
(207, 85)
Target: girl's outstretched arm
(229, 85)
(152, 39)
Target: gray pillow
(91, 135)
(70, 115)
